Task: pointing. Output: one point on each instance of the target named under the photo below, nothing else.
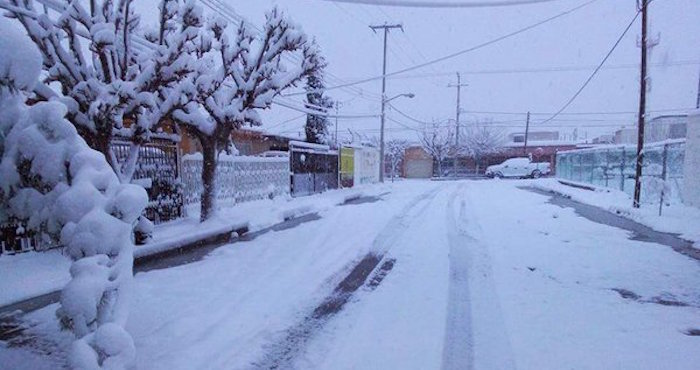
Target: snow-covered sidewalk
(675, 218)
(31, 274)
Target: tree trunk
(208, 196)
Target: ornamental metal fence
(238, 179)
(157, 172)
(614, 167)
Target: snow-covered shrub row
(52, 181)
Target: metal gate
(314, 168)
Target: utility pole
(697, 102)
(337, 147)
(337, 107)
(386, 28)
(642, 107)
(459, 108)
(527, 130)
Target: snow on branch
(101, 66)
(234, 78)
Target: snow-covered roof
(304, 144)
(543, 143)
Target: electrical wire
(443, 4)
(588, 80)
(463, 51)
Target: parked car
(518, 167)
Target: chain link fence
(614, 167)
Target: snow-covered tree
(112, 79)
(396, 149)
(480, 140)
(317, 126)
(52, 182)
(437, 140)
(236, 78)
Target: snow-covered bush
(52, 181)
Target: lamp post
(381, 133)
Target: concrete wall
(691, 169)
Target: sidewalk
(33, 274)
(676, 218)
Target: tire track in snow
(281, 355)
(475, 337)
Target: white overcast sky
(579, 39)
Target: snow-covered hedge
(52, 181)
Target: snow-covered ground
(675, 218)
(486, 275)
(28, 275)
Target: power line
(578, 113)
(226, 10)
(228, 13)
(619, 39)
(286, 121)
(443, 4)
(461, 52)
(680, 63)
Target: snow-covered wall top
(305, 145)
(237, 158)
(633, 147)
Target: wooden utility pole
(386, 28)
(642, 107)
(697, 101)
(527, 131)
(337, 108)
(459, 86)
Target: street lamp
(381, 133)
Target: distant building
(625, 136)
(656, 129)
(246, 141)
(604, 139)
(666, 127)
(417, 163)
(519, 137)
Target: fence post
(580, 167)
(663, 177)
(607, 166)
(623, 164)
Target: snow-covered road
(491, 276)
(470, 275)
